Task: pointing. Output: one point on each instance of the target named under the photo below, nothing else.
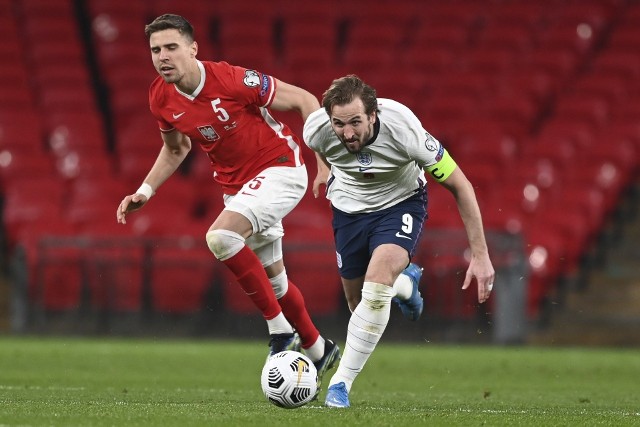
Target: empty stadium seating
(538, 103)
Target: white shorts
(264, 201)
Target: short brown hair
(170, 21)
(345, 89)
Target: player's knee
(224, 244)
(376, 295)
(280, 284)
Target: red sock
(248, 270)
(295, 311)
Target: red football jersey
(228, 115)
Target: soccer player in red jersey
(257, 160)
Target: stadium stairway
(605, 308)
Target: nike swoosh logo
(177, 116)
(402, 236)
(365, 169)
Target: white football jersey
(385, 172)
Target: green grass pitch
(133, 382)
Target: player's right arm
(317, 134)
(322, 177)
(174, 150)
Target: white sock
(403, 287)
(316, 351)
(366, 325)
(279, 325)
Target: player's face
(172, 54)
(352, 125)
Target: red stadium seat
(86, 162)
(54, 277)
(528, 15)
(319, 281)
(623, 64)
(31, 200)
(73, 72)
(558, 62)
(248, 42)
(58, 281)
(44, 8)
(82, 130)
(181, 277)
(591, 109)
(235, 300)
(516, 114)
(115, 275)
(511, 36)
(544, 249)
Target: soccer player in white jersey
(377, 151)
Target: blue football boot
(412, 307)
(337, 396)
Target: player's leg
(408, 296)
(404, 225)
(390, 257)
(369, 320)
(287, 293)
(351, 233)
(267, 245)
(248, 212)
(226, 241)
(323, 352)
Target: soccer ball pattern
(289, 379)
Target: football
(289, 379)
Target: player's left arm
(480, 266)
(289, 97)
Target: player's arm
(324, 170)
(289, 97)
(453, 179)
(174, 150)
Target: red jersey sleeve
(249, 86)
(154, 93)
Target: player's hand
(481, 268)
(130, 203)
(317, 182)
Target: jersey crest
(251, 78)
(364, 158)
(209, 133)
(431, 143)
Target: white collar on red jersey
(196, 92)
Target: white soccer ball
(289, 379)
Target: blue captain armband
(442, 169)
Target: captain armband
(442, 169)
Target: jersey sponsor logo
(364, 169)
(364, 158)
(177, 116)
(402, 236)
(251, 78)
(265, 85)
(440, 154)
(431, 143)
(209, 133)
(339, 259)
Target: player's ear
(194, 49)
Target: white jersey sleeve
(386, 171)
